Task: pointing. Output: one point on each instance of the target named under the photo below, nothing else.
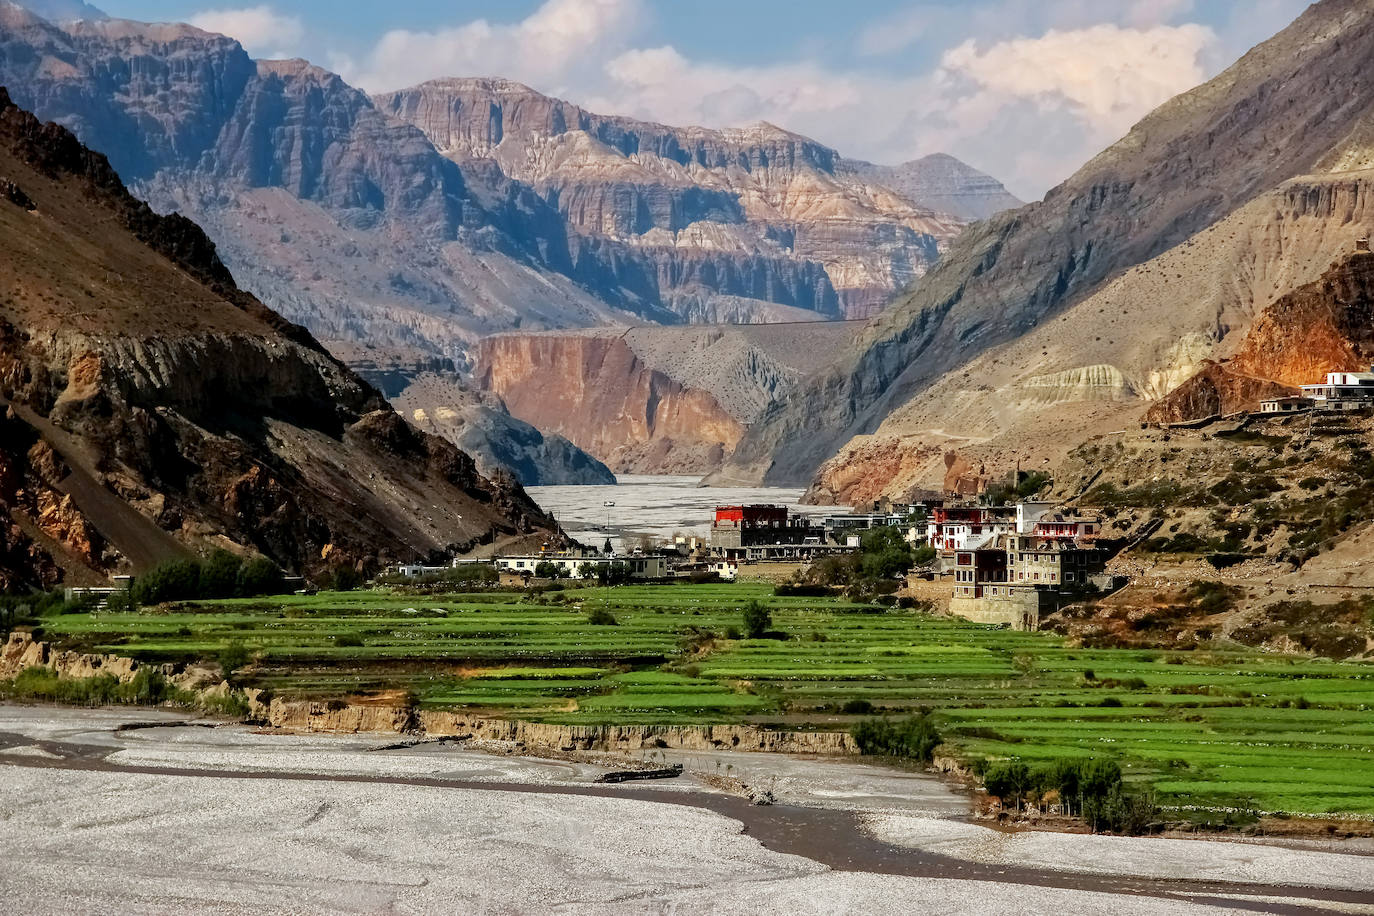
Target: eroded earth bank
(152, 811)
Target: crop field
(1227, 726)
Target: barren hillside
(151, 407)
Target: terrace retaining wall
(352, 718)
(22, 651)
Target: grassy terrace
(1223, 727)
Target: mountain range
(431, 217)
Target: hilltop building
(1341, 391)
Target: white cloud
(261, 30)
(1111, 75)
(558, 41)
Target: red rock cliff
(598, 393)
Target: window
(1068, 577)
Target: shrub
(857, 707)
(546, 569)
(233, 657)
(602, 617)
(914, 738)
(347, 640)
(757, 619)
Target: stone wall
(1019, 610)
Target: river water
(655, 505)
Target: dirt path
(832, 837)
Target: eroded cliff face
(1324, 326)
(755, 213)
(654, 399)
(598, 393)
(151, 408)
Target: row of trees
(221, 575)
(1091, 789)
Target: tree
(1009, 781)
(174, 580)
(757, 619)
(606, 548)
(547, 569)
(259, 576)
(219, 576)
(586, 571)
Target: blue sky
(1025, 89)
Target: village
(1004, 565)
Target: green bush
(233, 657)
(259, 576)
(546, 569)
(757, 619)
(914, 738)
(602, 617)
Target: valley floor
(172, 817)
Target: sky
(1026, 90)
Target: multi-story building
(1015, 577)
(762, 532)
(1342, 391)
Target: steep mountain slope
(755, 213)
(150, 407)
(1297, 105)
(653, 400)
(1098, 365)
(433, 397)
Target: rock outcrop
(1297, 109)
(151, 408)
(1324, 326)
(653, 400)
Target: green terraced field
(1224, 727)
